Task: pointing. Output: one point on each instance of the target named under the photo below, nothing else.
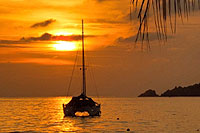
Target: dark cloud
(50, 37)
(12, 46)
(11, 42)
(131, 39)
(43, 24)
(104, 0)
(101, 0)
(68, 38)
(43, 37)
(106, 21)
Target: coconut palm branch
(163, 12)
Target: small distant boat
(82, 103)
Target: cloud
(43, 24)
(41, 61)
(43, 37)
(104, 0)
(101, 0)
(106, 21)
(68, 38)
(12, 46)
(11, 42)
(50, 37)
(131, 39)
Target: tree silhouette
(163, 12)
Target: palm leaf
(161, 10)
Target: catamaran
(82, 103)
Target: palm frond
(162, 12)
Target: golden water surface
(149, 115)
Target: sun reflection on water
(72, 124)
(64, 124)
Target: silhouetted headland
(189, 91)
(149, 93)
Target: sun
(64, 46)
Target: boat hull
(82, 103)
(71, 110)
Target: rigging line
(79, 60)
(79, 84)
(93, 78)
(95, 85)
(71, 78)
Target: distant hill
(149, 93)
(193, 90)
(189, 91)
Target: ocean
(140, 115)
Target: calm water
(163, 115)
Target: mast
(83, 63)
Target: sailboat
(82, 103)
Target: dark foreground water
(141, 115)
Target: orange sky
(34, 62)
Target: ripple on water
(137, 114)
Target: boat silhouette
(82, 103)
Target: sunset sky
(39, 40)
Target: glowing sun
(64, 46)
